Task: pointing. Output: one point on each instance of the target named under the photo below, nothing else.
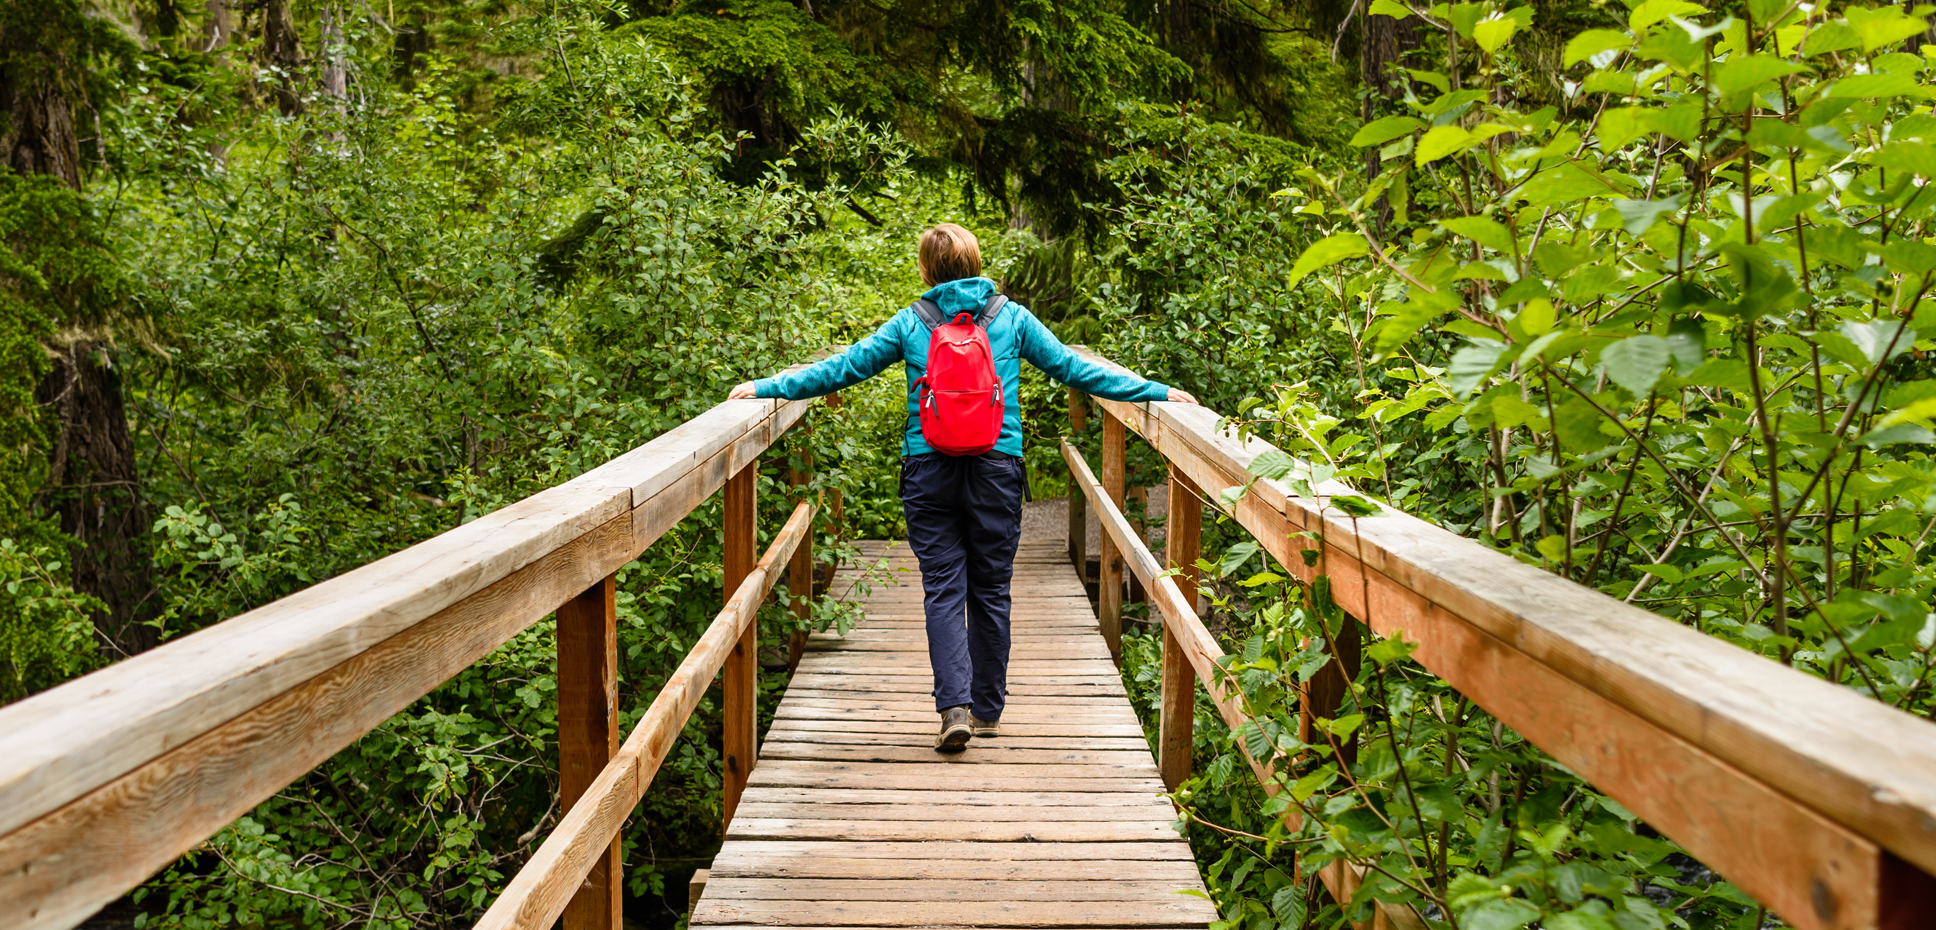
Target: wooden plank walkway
(851, 819)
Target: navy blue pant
(964, 518)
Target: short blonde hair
(948, 253)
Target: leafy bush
(1666, 338)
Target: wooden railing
(1815, 800)
(107, 779)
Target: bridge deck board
(851, 819)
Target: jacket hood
(962, 295)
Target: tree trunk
(35, 88)
(282, 52)
(1382, 41)
(92, 484)
(336, 83)
(94, 488)
(217, 27)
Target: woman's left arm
(1044, 351)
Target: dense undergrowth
(1665, 338)
(513, 243)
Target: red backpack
(960, 396)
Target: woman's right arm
(864, 360)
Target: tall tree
(93, 486)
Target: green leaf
(1637, 363)
(1681, 122)
(1390, 8)
(1469, 366)
(1619, 126)
(1687, 342)
(1726, 373)
(1654, 11)
(1502, 914)
(1877, 85)
(1830, 37)
(1592, 42)
(1465, 16)
(1432, 78)
(1329, 250)
(1390, 649)
(1483, 230)
(1638, 216)
(1510, 411)
(1272, 463)
(1749, 71)
(1911, 157)
(1910, 256)
(1379, 132)
(1441, 141)
(1887, 29)
(1878, 338)
(1287, 905)
(1491, 34)
(1899, 433)
(1578, 425)
(1311, 784)
(1566, 183)
(1667, 573)
(1354, 505)
(1536, 317)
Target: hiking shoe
(954, 730)
(984, 729)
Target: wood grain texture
(1856, 762)
(739, 740)
(1186, 643)
(1177, 705)
(1109, 597)
(852, 818)
(588, 735)
(61, 868)
(62, 744)
(537, 895)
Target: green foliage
(46, 634)
(1663, 333)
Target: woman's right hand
(742, 391)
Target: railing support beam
(1078, 516)
(740, 731)
(1109, 596)
(800, 569)
(1183, 543)
(588, 735)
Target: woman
(964, 513)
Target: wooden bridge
(853, 820)
(1815, 800)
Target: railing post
(1078, 514)
(800, 569)
(1324, 693)
(1907, 896)
(741, 726)
(836, 508)
(1183, 543)
(1138, 497)
(1109, 595)
(588, 735)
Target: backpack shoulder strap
(991, 310)
(928, 313)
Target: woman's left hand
(1180, 396)
(742, 391)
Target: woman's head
(948, 253)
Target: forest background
(293, 284)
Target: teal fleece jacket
(1016, 335)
